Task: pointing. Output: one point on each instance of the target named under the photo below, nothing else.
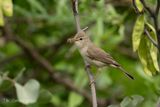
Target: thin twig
(150, 38)
(147, 8)
(91, 79)
(76, 15)
(92, 83)
(157, 7)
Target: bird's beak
(71, 40)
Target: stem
(76, 15)
(157, 7)
(92, 85)
(150, 38)
(91, 79)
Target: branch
(76, 15)
(150, 38)
(147, 8)
(157, 7)
(92, 83)
(91, 79)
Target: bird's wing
(98, 54)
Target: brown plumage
(93, 54)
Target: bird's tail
(126, 73)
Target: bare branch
(92, 83)
(77, 20)
(157, 7)
(76, 15)
(150, 38)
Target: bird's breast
(83, 51)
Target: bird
(94, 55)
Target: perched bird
(93, 54)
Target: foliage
(147, 52)
(6, 8)
(45, 25)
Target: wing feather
(98, 54)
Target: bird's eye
(80, 39)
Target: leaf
(74, 100)
(7, 7)
(137, 32)
(126, 102)
(28, 93)
(132, 101)
(56, 100)
(136, 100)
(1, 16)
(20, 74)
(139, 5)
(145, 56)
(153, 49)
(44, 96)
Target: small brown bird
(93, 54)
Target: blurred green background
(46, 25)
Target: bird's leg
(92, 82)
(88, 66)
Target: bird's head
(80, 39)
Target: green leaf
(139, 5)
(153, 49)
(44, 96)
(56, 100)
(28, 93)
(145, 56)
(74, 100)
(137, 32)
(133, 101)
(126, 102)
(20, 74)
(136, 100)
(1, 16)
(7, 7)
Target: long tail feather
(126, 73)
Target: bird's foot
(92, 82)
(87, 66)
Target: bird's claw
(87, 66)
(92, 82)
